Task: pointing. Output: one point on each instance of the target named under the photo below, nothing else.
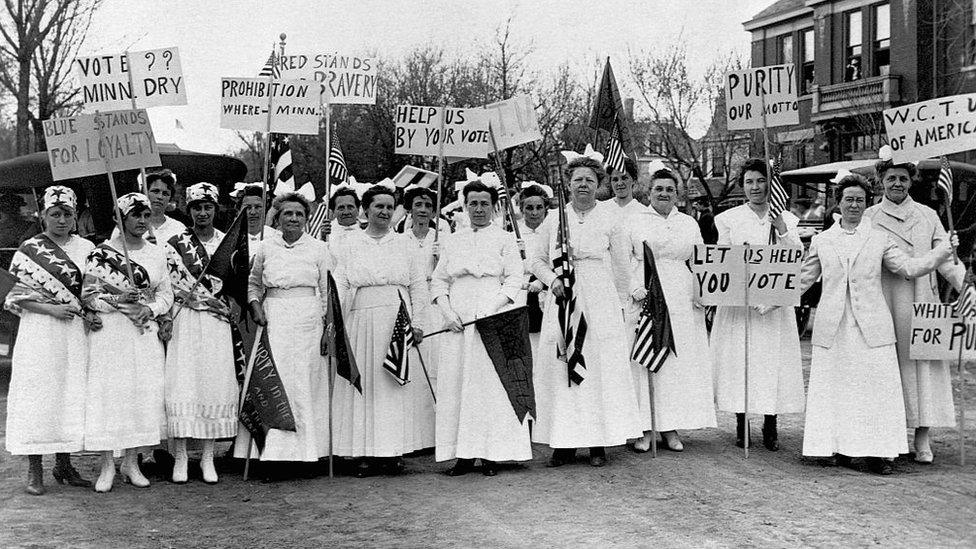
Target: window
(807, 69)
(852, 70)
(785, 49)
(882, 39)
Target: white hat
(59, 195)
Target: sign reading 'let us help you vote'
(418, 131)
(91, 144)
(771, 274)
(157, 80)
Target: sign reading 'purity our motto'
(771, 274)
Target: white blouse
(672, 238)
(740, 225)
(488, 252)
(278, 264)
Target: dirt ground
(707, 496)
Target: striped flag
(614, 156)
(965, 306)
(778, 199)
(281, 172)
(945, 178)
(320, 211)
(654, 340)
(396, 361)
(271, 68)
(337, 163)
(572, 322)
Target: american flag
(320, 211)
(945, 178)
(572, 323)
(614, 156)
(337, 163)
(654, 339)
(778, 199)
(280, 158)
(396, 361)
(271, 68)
(965, 306)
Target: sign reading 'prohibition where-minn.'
(78, 146)
(294, 105)
(773, 274)
(938, 332)
(944, 125)
(157, 77)
(746, 92)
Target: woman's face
(254, 210)
(59, 220)
(533, 211)
(479, 208)
(159, 197)
(664, 193)
(582, 185)
(136, 224)
(422, 210)
(202, 214)
(291, 218)
(756, 187)
(852, 203)
(380, 212)
(622, 184)
(346, 211)
(896, 183)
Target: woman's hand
(326, 229)
(764, 309)
(130, 296)
(165, 332)
(257, 314)
(779, 224)
(418, 335)
(536, 286)
(639, 294)
(62, 311)
(324, 342)
(698, 303)
(92, 321)
(557, 288)
(451, 318)
(435, 250)
(144, 314)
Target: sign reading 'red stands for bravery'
(78, 146)
(157, 80)
(931, 128)
(294, 106)
(346, 79)
(748, 91)
(418, 131)
(773, 275)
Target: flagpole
(426, 375)
(203, 273)
(440, 175)
(509, 209)
(327, 111)
(445, 330)
(962, 392)
(745, 368)
(267, 134)
(115, 201)
(144, 185)
(240, 401)
(765, 133)
(650, 390)
(943, 161)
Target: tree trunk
(23, 106)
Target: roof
(778, 11)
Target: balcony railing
(854, 98)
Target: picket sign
(513, 122)
(263, 105)
(945, 125)
(345, 79)
(720, 273)
(156, 80)
(419, 130)
(80, 145)
(752, 92)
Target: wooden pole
(268, 136)
(247, 381)
(509, 210)
(143, 185)
(650, 390)
(767, 156)
(115, 202)
(440, 176)
(960, 366)
(327, 109)
(745, 365)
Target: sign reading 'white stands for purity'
(78, 146)
(937, 333)
(931, 128)
(157, 79)
(746, 92)
(294, 105)
(418, 131)
(773, 274)
(346, 79)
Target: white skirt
(295, 334)
(855, 404)
(775, 369)
(380, 422)
(124, 399)
(46, 398)
(475, 418)
(201, 386)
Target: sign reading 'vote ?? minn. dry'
(931, 128)
(294, 105)
(772, 273)
(938, 332)
(157, 80)
(78, 146)
(748, 92)
(418, 131)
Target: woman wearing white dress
(161, 190)
(46, 398)
(479, 273)
(286, 271)
(602, 409)
(775, 373)
(124, 399)
(201, 388)
(683, 391)
(250, 198)
(855, 406)
(376, 269)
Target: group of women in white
(115, 356)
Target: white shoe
(180, 463)
(105, 479)
(132, 475)
(207, 464)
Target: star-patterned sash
(106, 279)
(186, 259)
(45, 274)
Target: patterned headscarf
(201, 192)
(127, 202)
(59, 195)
